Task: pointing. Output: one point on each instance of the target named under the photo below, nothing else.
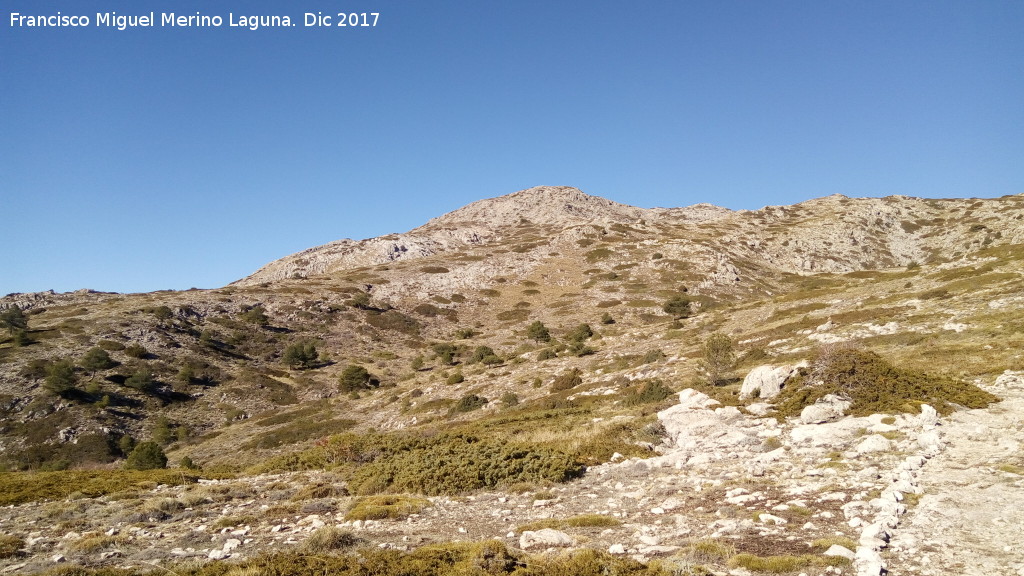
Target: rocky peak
(546, 205)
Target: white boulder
(544, 538)
(765, 381)
(826, 409)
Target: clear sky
(168, 158)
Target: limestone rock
(837, 550)
(829, 408)
(765, 381)
(544, 538)
(874, 443)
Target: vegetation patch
(299, 431)
(21, 487)
(874, 385)
(583, 521)
(783, 564)
(386, 507)
(432, 465)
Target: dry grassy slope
(767, 277)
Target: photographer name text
(116, 21)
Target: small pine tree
(606, 318)
(718, 357)
(13, 319)
(126, 444)
(146, 456)
(20, 338)
(538, 332)
(61, 378)
(163, 433)
(580, 333)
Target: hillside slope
(440, 318)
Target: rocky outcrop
(765, 382)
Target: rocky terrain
(734, 471)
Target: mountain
(406, 341)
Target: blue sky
(169, 158)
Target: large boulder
(765, 382)
(826, 409)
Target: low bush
(783, 564)
(874, 385)
(646, 393)
(468, 403)
(10, 545)
(567, 380)
(329, 539)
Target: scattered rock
(544, 538)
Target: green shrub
(783, 564)
(301, 355)
(446, 352)
(509, 399)
(718, 358)
(468, 403)
(580, 333)
(146, 456)
(329, 539)
(60, 378)
(142, 380)
(136, 350)
(455, 378)
(355, 378)
(96, 359)
(445, 464)
(567, 380)
(646, 393)
(678, 307)
(538, 332)
(10, 545)
(480, 353)
(876, 386)
(386, 506)
(546, 354)
(256, 315)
